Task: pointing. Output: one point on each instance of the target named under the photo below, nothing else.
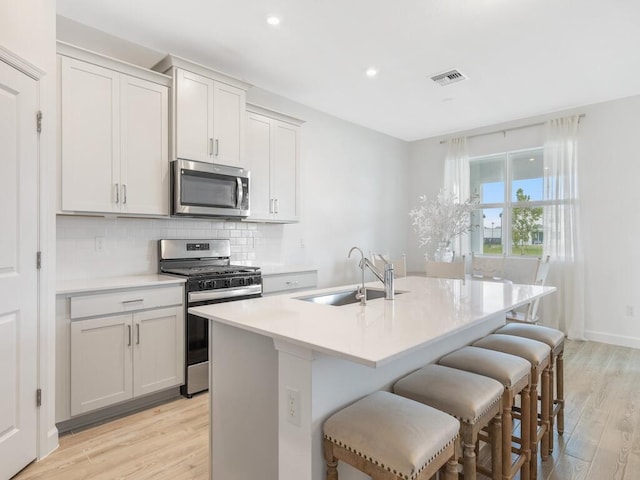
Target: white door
(158, 350)
(229, 105)
(194, 117)
(284, 179)
(144, 161)
(90, 142)
(18, 274)
(258, 159)
(101, 362)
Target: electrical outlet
(629, 311)
(293, 406)
(100, 242)
(302, 243)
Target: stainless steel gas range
(211, 278)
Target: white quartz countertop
(67, 287)
(379, 332)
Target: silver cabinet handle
(138, 333)
(217, 149)
(137, 300)
(271, 208)
(129, 330)
(277, 206)
(117, 193)
(291, 283)
(210, 146)
(124, 193)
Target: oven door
(208, 190)
(197, 346)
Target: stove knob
(202, 285)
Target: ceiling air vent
(447, 78)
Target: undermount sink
(343, 297)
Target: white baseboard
(620, 340)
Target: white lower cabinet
(120, 344)
(121, 357)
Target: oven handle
(223, 293)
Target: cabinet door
(144, 159)
(194, 117)
(158, 350)
(284, 170)
(90, 143)
(100, 362)
(229, 105)
(258, 154)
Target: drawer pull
(291, 282)
(138, 332)
(138, 300)
(129, 329)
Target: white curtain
(457, 181)
(565, 308)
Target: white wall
(353, 186)
(609, 166)
(28, 29)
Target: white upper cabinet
(114, 135)
(208, 115)
(273, 157)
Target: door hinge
(38, 260)
(39, 397)
(39, 121)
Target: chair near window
(399, 264)
(529, 313)
(487, 266)
(454, 270)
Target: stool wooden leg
(332, 462)
(544, 415)
(451, 471)
(495, 429)
(507, 425)
(469, 452)
(552, 374)
(525, 432)
(560, 391)
(533, 423)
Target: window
(509, 188)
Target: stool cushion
(532, 350)
(395, 433)
(550, 336)
(464, 395)
(507, 369)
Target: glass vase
(443, 253)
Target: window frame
(508, 204)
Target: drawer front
(288, 281)
(125, 301)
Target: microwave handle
(239, 191)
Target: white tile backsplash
(130, 244)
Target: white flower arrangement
(442, 219)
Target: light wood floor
(170, 442)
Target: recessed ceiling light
(273, 20)
(371, 72)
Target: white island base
(281, 366)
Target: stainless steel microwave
(202, 189)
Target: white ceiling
(522, 57)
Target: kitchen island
(282, 365)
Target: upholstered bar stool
(514, 374)
(472, 399)
(389, 437)
(555, 340)
(538, 354)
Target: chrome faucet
(386, 277)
